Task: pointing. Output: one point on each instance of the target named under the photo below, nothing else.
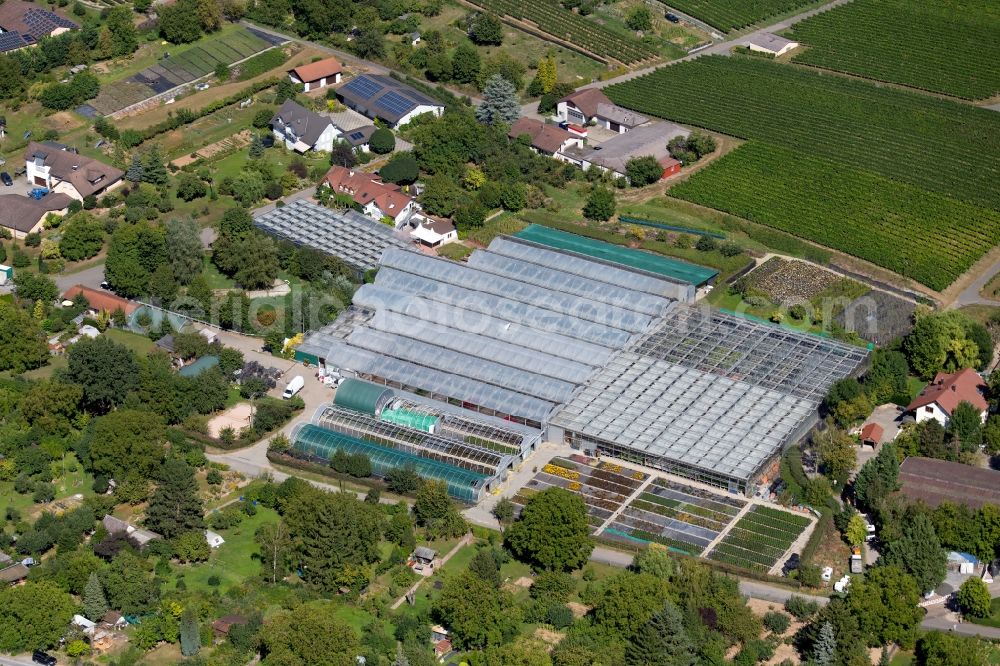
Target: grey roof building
(614, 154)
(348, 235)
(379, 96)
(298, 124)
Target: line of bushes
(130, 138)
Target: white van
(293, 387)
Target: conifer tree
(135, 170)
(95, 604)
(662, 640)
(825, 649)
(190, 638)
(500, 103)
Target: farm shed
(706, 395)
(348, 235)
(385, 98)
(770, 43)
(871, 435)
(317, 74)
(936, 481)
(423, 555)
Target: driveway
(92, 277)
(971, 296)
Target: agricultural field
(604, 488)
(551, 18)
(181, 68)
(883, 130)
(760, 538)
(727, 15)
(675, 515)
(900, 41)
(913, 232)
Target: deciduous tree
(477, 614)
(127, 440)
(974, 598)
(552, 531)
(311, 634)
(22, 345)
(33, 616)
(106, 370)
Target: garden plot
(760, 538)
(184, 67)
(675, 515)
(781, 280)
(604, 488)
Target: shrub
(776, 622)
(559, 616)
(382, 141)
(801, 608)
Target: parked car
(7, 180)
(105, 285)
(202, 86)
(38, 192)
(673, 18)
(43, 657)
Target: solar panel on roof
(10, 41)
(363, 87)
(356, 135)
(394, 104)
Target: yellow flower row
(556, 470)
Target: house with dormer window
(64, 171)
(302, 130)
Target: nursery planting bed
(604, 487)
(760, 538)
(677, 516)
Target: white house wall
(420, 110)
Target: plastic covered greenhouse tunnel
(319, 444)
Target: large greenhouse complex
(598, 347)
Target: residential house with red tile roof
(545, 139)
(939, 399)
(317, 74)
(377, 199)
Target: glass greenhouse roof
(507, 336)
(320, 444)
(710, 391)
(348, 235)
(590, 267)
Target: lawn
(44, 372)
(994, 619)
(234, 561)
(140, 344)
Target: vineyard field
(916, 233)
(935, 144)
(946, 46)
(550, 17)
(729, 15)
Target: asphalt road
(11, 661)
(970, 295)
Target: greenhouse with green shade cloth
(319, 444)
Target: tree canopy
(552, 531)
